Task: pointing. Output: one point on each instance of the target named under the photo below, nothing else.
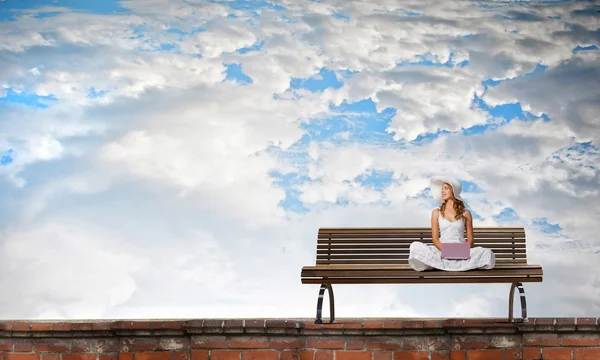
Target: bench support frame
(523, 302)
(329, 289)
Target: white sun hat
(436, 182)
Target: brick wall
(279, 339)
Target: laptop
(456, 251)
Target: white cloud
(165, 180)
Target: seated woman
(447, 226)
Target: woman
(447, 225)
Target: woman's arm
(469, 225)
(435, 229)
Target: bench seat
(380, 256)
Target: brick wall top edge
(268, 325)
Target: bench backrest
(391, 245)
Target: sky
(175, 159)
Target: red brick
(412, 324)
(260, 355)
(586, 353)
(495, 354)
(372, 324)
(21, 326)
(81, 326)
(173, 343)
(142, 325)
(248, 342)
(458, 355)
(352, 355)
(325, 343)
(324, 355)
(355, 343)
(307, 354)
(61, 327)
(440, 355)
(41, 326)
(139, 344)
(531, 353)
(433, 324)
(353, 324)
(383, 343)
(125, 356)
(382, 355)
(210, 342)
(23, 345)
(101, 325)
(200, 354)
(95, 345)
(79, 357)
(541, 339)
(391, 324)
(214, 323)
(51, 345)
(471, 342)
(581, 340)
(16, 356)
(172, 324)
(108, 356)
(290, 355)
(411, 355)
(587, 321)
(513, 354)
(5, 325)
(225, 355)
(276, 323)
(557, 353)
(6, 345)
(426, 343)
(47, 356)
(158, 355)
(283, 342)
(255, 323)
(180, 355)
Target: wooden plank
(415, 236)
(413, 229)
(395, 261)
(418, 280)
(335, 267)
(406, 246)
(410, 240)
(334, 251)
(398, 256)
(411, 272)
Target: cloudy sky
(175, 159)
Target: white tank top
(451, 231)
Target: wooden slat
(409, 241)
(399, 256)
(333, 251)
(394, 261)
(413, 229)
(405, 266)
(406, 246)
(415, 236)
(411, 272)
(417, 280)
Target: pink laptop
(456, 251)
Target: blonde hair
(459, 206)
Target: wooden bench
(380, 256)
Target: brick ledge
(343, 326)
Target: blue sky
(223, 134)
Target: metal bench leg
(523, 302)
(329, 289)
